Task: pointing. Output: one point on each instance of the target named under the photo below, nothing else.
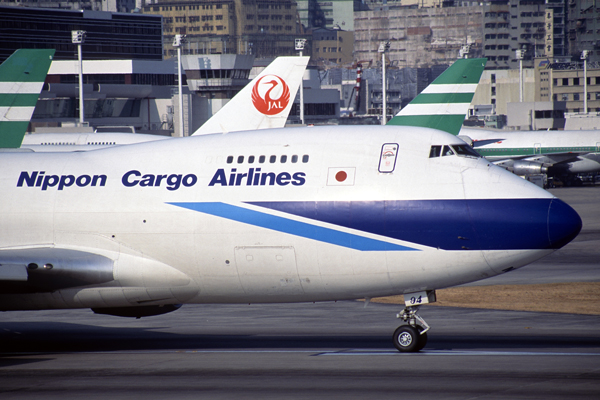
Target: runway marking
(317, 353)
(358, 352)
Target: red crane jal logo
(270, 95)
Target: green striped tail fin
(444, 103)
(22, 78)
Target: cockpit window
(435, 151)
(465, 150)
(447, 151)
(462, 150)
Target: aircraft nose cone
(563, 223)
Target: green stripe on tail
(22, 76)
(444, 103)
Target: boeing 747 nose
(564, 224)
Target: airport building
(143, 94)
(553, 96)
(109, 36)
(321, 104)
(136, 93)
(124, 6)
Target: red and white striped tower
(357, 87)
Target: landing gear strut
(412, 337)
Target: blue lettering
(38, 183)
(254, 177)
(283, 179)
(147, 180)
(264, 177)
(232, 177)
(238, 181)
(219, 178)
(50, 181)
(43, 181)
(159, 178)
(125, 178)
(174, 181)
(26, 178)
(83, 180)
(189, 180)
(299, 179)
(102, 180)
(66, 181)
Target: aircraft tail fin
(264, 103)
(444, 103)
(22, 78)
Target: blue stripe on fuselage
(293, 227)
(488, 224)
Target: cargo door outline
(268, 270)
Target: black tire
(406, 339)
(422, 339)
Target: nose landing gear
(412, 337)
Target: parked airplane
(277, 215)
(443, 105)
(556, 153)
(264, 103)
(21, 79)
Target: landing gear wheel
(411, 337)
(407, 339)
(422, 338)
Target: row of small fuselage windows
(463, 150)
(272, 159)
(73, 144)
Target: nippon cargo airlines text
(135, 178)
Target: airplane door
(537, 148)
(268, 270)
(82, 139)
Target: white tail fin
(264, 103)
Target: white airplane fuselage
(329, 213)
(572, 152)
(65, 142)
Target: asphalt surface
(323, 350)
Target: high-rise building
(583, 26)
(332, 45)
(263, 28)
(559, 11)
(536, 27)
(327, 14)
(419, 37)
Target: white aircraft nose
(564, 224)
